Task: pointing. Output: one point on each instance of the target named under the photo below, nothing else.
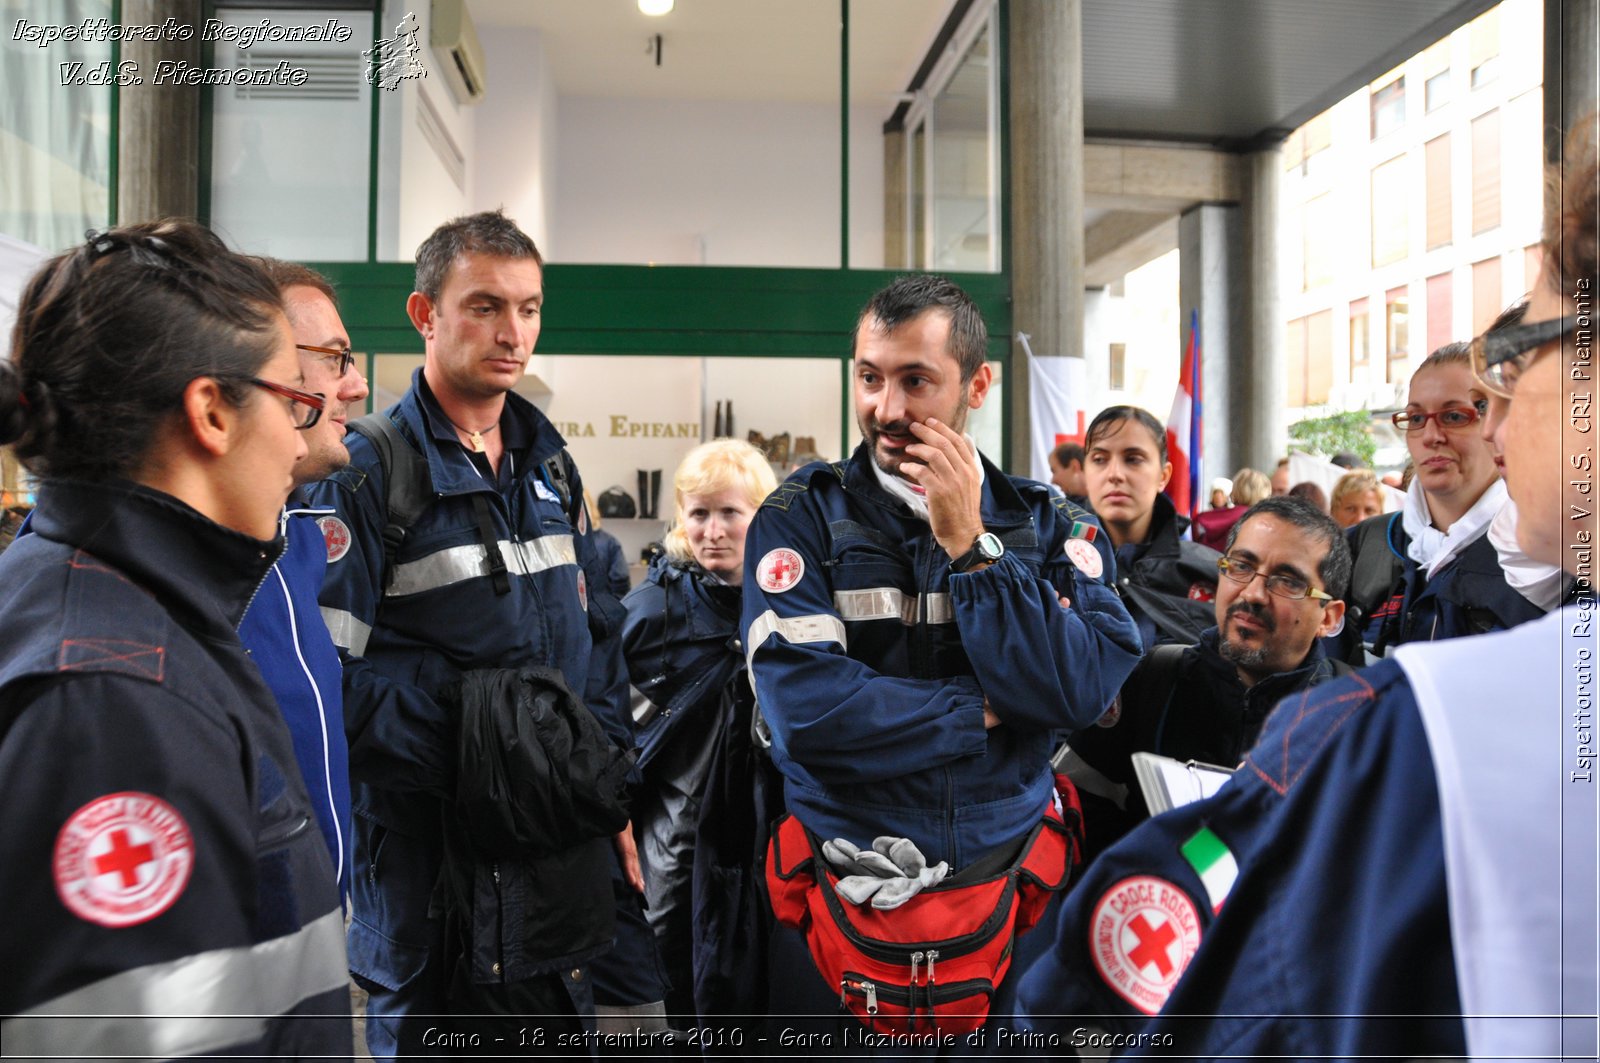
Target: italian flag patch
(1214, 863)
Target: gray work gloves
(889, 874)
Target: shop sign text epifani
(624, 428)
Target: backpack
(408, 492)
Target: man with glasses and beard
(1285, 571)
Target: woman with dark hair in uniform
(158, 856)
(1167, 583)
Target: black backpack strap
(1161, 673)
(407, 484)
(491, 545)
(558, 471)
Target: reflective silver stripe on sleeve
(347, 632)
(819, 627)
(458, 563)
(891, 603)
(191, 1006)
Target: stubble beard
(956, 420)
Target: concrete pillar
(158, 153)
(1259, 398)
(1045, 45)
(1212, 279)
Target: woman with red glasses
(1430, 571)
(159, 863)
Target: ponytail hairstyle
(111, 332)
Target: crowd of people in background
(289, 697)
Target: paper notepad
(1167, 783)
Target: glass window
(1318, 241)
(1436, 92)
(1388, 107)
(963, 164)
(289, 159)
(1397, 312)
(1360, 336)
(55, 165)
(1436, 167)
(1390, 219)
(1486, 71)
(1485, 172)
(1440, 311)
(953, 157)
(1487, 300)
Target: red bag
(937, 958)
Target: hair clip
(100, 242)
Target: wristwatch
(986, 548)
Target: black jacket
(540, 791)
(681, 642)
(1168, 583)
(1392, 602)
(1197, 710)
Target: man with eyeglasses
(283, 629)
(1285, 571)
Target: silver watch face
(989, 547)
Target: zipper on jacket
(281, 834)
(262, 582)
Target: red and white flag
(1183, 428)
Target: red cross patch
(780, 570)
(1142, 935)
(122, 859)
(336, 535)
(1085, 557)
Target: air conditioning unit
(455, 45)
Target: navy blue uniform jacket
(872, 668)
(160, 861)
(1332, 941)
(284, 634)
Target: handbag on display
(615, 502)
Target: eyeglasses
(1281, 584)
(1449, 418)
(346, 356)
(304, 406)
(1500, 357)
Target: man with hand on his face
(918, 623)
(283, 629)
(1284, 575)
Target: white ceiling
(749, 50)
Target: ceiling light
(655, 7)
